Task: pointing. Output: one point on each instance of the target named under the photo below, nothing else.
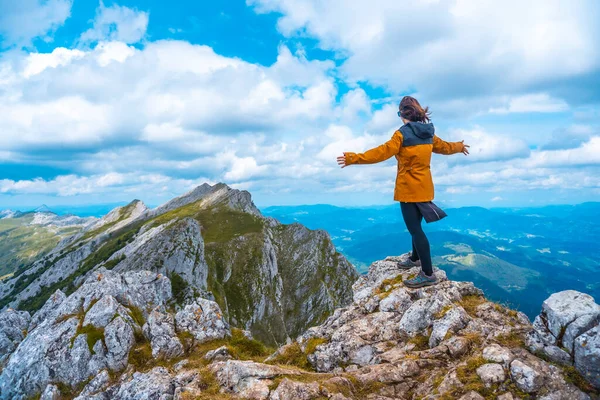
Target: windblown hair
(411, 110)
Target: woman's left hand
(465, 149)
(342, 161)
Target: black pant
(412, 218)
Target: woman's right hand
(342, 161)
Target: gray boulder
(562, 308)
(160, 329)
(204, 320)
(119, 340)
(526, 378)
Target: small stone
(498, 354)
(220, 354)
(455, 319)
(491, 373)
(472, 395)
(505, 396)
(289, 389)
(525, 377)
(457, 346)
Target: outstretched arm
(442, 147)
(375, 155)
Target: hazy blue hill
(517, 255)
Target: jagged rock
(397, 301)
(498, 354)
(51, 392)
(119, 339)
(420, 314)
(102, 312)
(98, 383)
(13, 329)
(526, 378)
(491, 373)
(160, 330)
(587, 355)
(387, 373)
(247, 379)
(48, 310)
(220, 354)
(455, 319)
(155, 384)
(581, 325)
(557, 354)
(204, 320)
(351, 343)
(289, 389)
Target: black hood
(421, 129)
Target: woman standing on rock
(412, 144)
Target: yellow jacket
(412, 145)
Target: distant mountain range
(28, 236)
(517, 255)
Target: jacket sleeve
(442, 147)
(377, 154)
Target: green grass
(21, 243)
(92, 333)
(179, 288)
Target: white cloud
(486, 147)
(450, 48)
(21, 21)
(72, 185)
(116, 23)
(587, 153)
(539, 102)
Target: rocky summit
(122, 335)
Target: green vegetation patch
(179, 288)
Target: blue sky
(103, 102)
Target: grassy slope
(21, 243)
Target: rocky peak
(42, 209)
(207, 196)
(119, 217)
(118, 337)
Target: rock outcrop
(119, 337)
(567, 331)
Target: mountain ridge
(211, 241)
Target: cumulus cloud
(486, 147)
(449, 48)
(24, 20)
(116, 23)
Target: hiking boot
(421, 280)
(407, 263)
